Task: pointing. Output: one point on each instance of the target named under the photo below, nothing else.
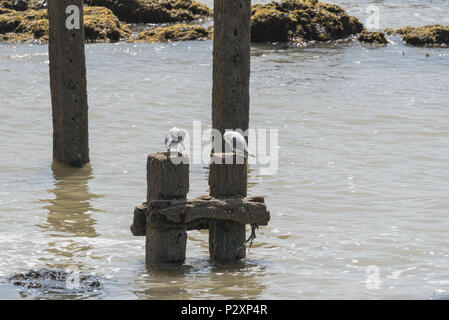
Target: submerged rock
(100, 24)
(55, 281)
(377, 38)
(154, 11)
(177, 32)
(431, 35)
(301, 20)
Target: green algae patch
(154, 11)
(375, 38)
(300, 21)
(177, 32)
(100, 24)
(431, 35)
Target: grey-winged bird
(237, 142)
(174, 138)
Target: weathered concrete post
(230, 110)
(226, 237)
(68, 82)
(165, 243)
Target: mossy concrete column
(230, 110)
(68, 82)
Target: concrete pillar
(230, 110)
(228, 180)
(68, 82)
(231, 70)
(166, 180)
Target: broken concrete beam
(139, 226)
(242, 210)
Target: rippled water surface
(363, 175)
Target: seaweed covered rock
(431, 35)
(37, 4)
(301, 20)
(376, 38)
(154, 11)
(100, 24)
(20, 26)
(177, 32)
(389, 31)
(18, 5)
(270, 25)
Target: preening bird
(237, 142)
(174, 138)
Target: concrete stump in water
(227, 238)
(166, 180)
(164, 222)
(165, 246)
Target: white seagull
(173, 138)
(237, 143)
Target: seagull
(237, 142)
(173, 138)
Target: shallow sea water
(363, 170)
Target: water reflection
(70, 212)
(201, 279)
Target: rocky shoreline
(288, 21)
